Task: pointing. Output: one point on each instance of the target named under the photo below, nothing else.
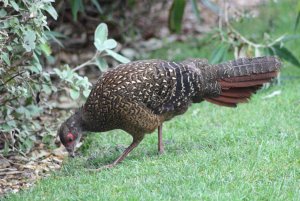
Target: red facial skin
(70, 138)
(70, 144)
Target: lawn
(212, 152)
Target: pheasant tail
(240, 78)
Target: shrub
(25, 86)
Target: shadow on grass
(93, 155)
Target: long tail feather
(241, 78)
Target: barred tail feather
(248, 66)
(241, 78)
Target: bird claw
(103, 168)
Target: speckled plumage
(139, 96)
(141, 92)
(158, 90)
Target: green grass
(212, 153)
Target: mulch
(18, 172)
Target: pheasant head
(70, 132)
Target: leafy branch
(231, 37)
(104, 47)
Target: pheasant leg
(133, 145)
(161, 149)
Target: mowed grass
(212, 152)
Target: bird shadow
(108, 154)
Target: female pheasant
(138, 97)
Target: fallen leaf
(60, 152)
(4, 163)
(37, 154)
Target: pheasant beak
(72, 154)
(71, 150)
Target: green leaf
(69, 75)
(34, 110)
(218, 54)
(101, 33)
(101, 63)
(117, 56)
(99, 45)
(98, 7)
(46, 76)
(290, 37)
(47, 89)
(8, 126)
(196, 10)
(46, 49)
(29, 40)
(34, 68)
(257, 52)
(74, 94)
(76, 5)
(3, 13)
(26, 145)
(285, 54)
(14, 5)
(58, 72)
(5, 57)
(86, 93)
(79, 81)
(24, 111)
(49, 8)
(53, 88)
(176, 14)
(100, 38)
(9, 48)
(55, 36)
(107, 44)
(12, 123)
(110, 44)
(47, 139)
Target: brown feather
(239, 89)
(238, 92)
(218, 102)
(230, 99)
(263, 76)
(226, 84)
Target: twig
(231, 29)
(245, 40)
(8, 169)
(10, 173)
(4, 33)
(25, 56)
(89, 62)
(7, 100)
(83, 65)
(16, 75)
